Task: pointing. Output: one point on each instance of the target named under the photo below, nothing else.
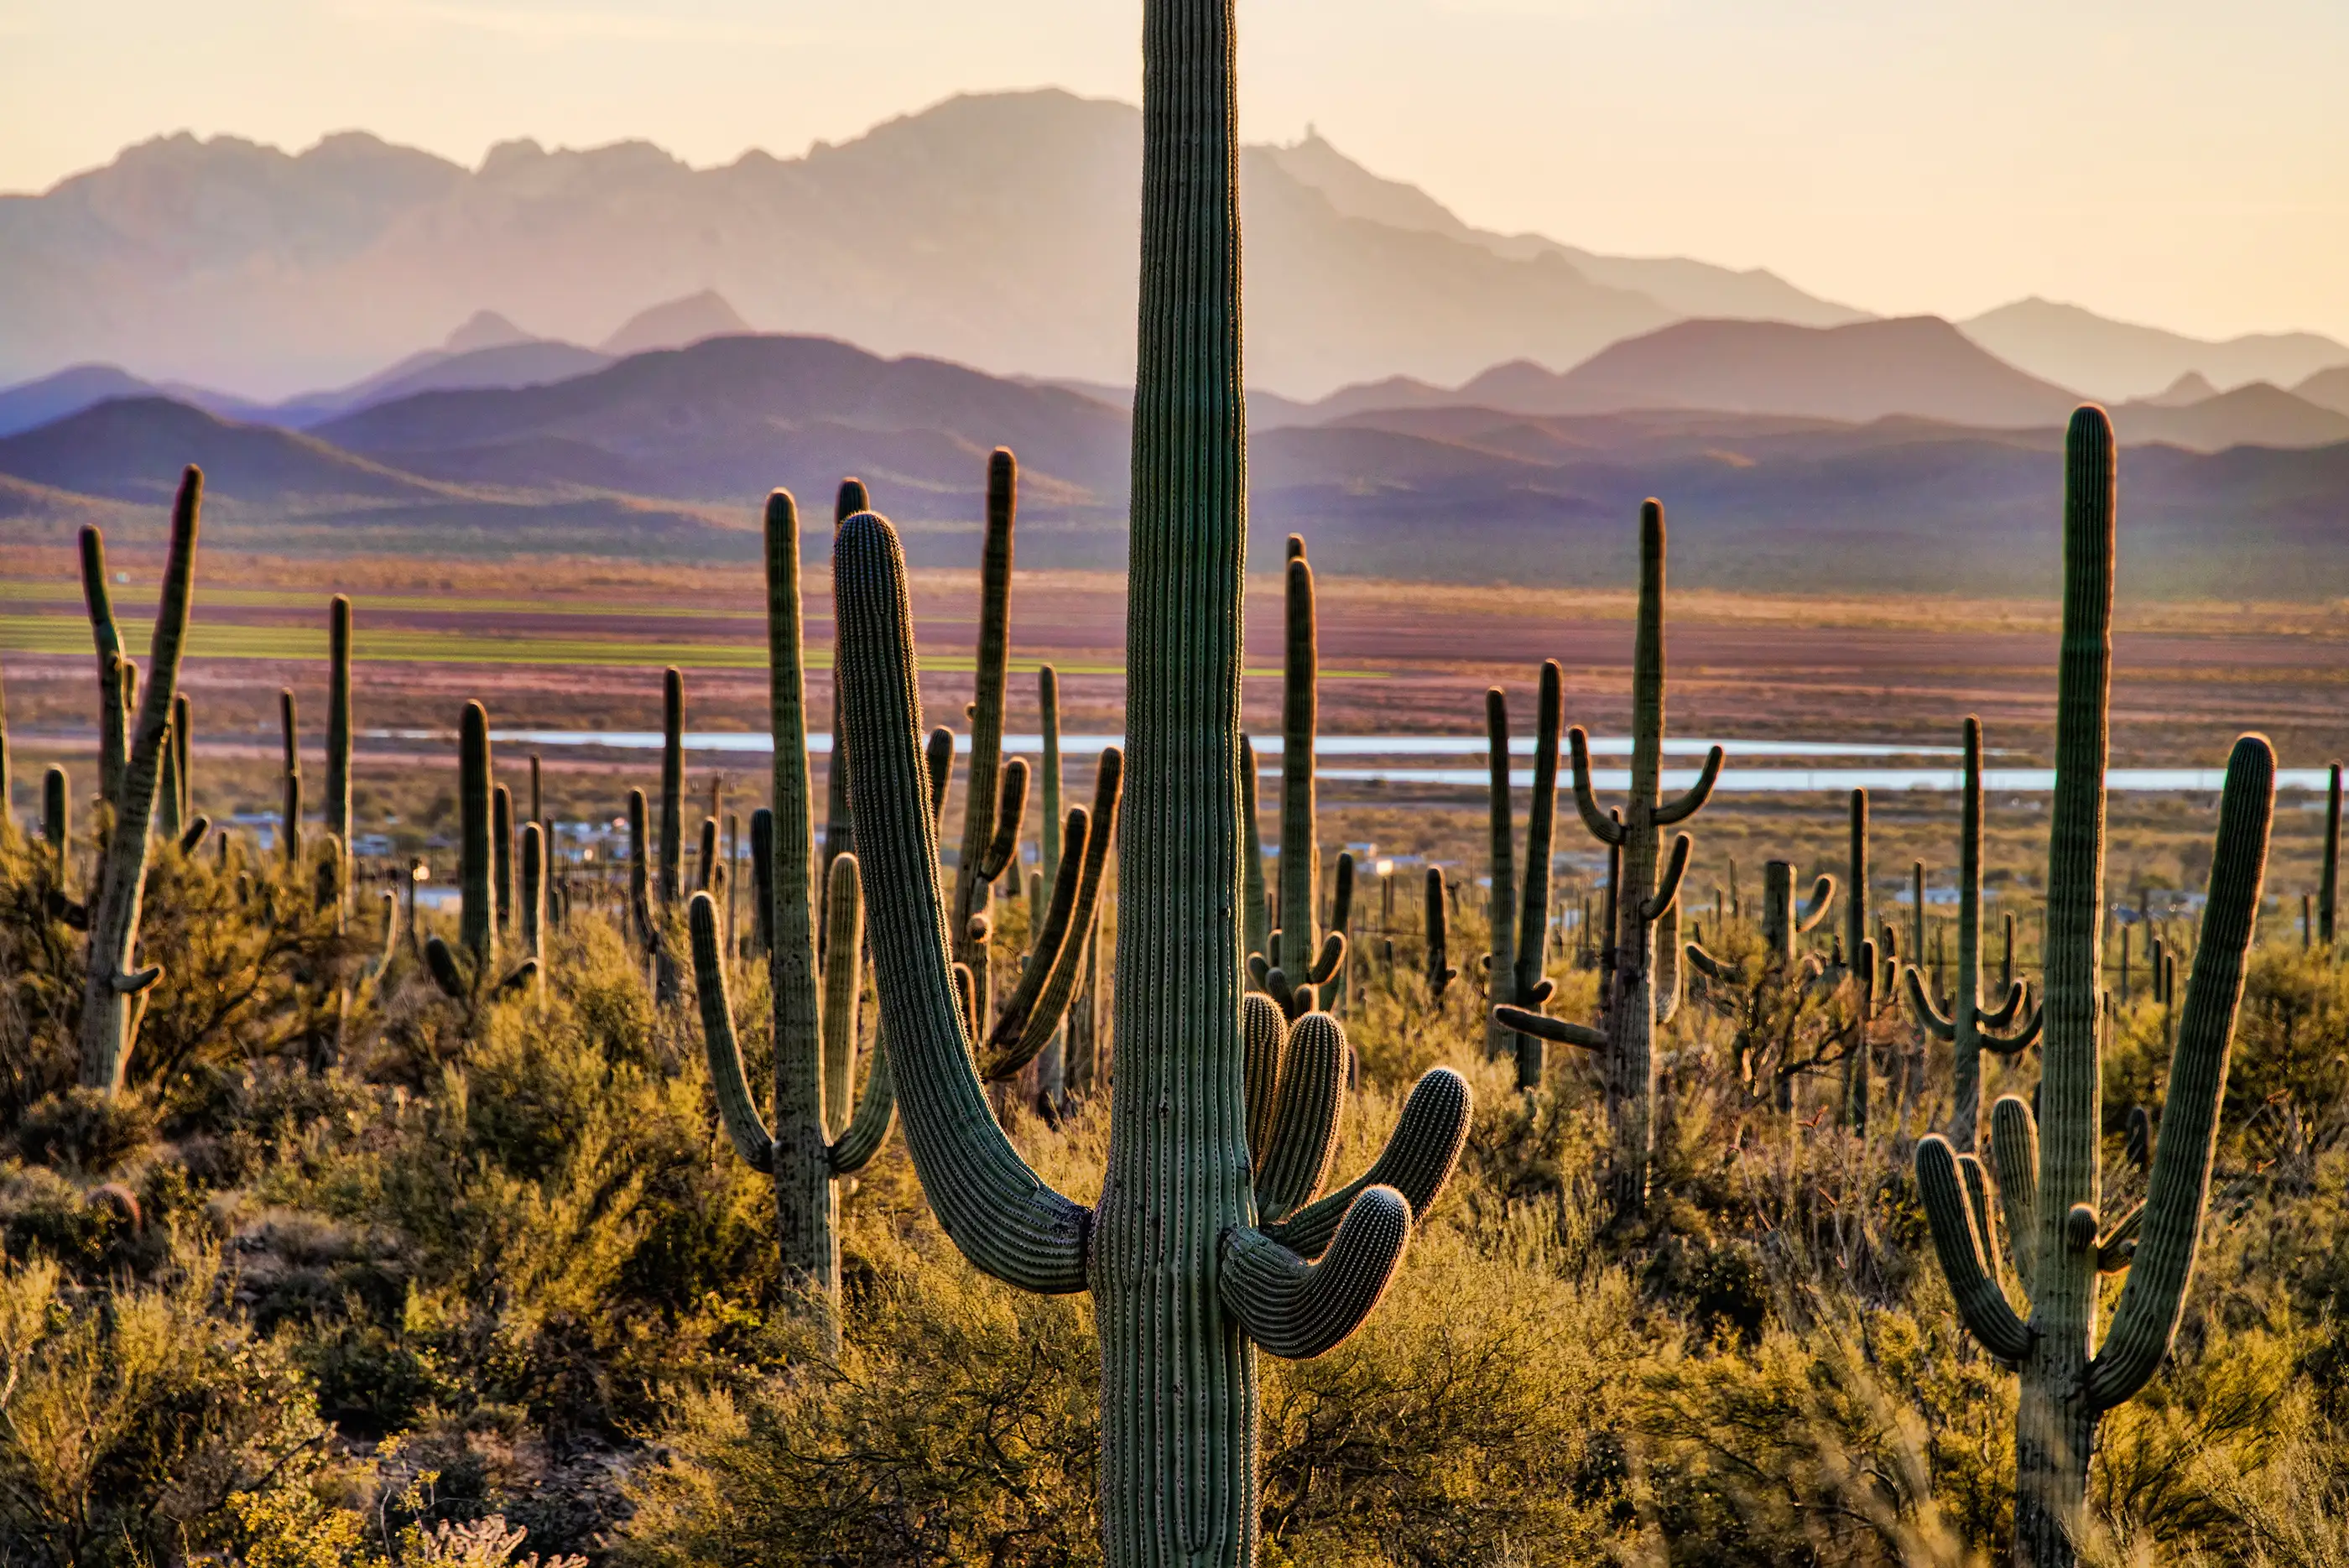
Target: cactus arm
(1668, 974)
(1601, 828)
(1978, 1199)
(114, 717)
(735, 1107)
(1823, 892)
(1418, 1161)
(1010, 814)
(1305, 1116)
(1523, 1021)
(844, 938)
(1301, 870)
(1004, 1220)
(672, 804)
(1689, 804)
(1668, 890)
(1298, 1310)
(1059, 986)
(1256, 918)
(2000, 1045)
(1341, 892)
(2118, 1247)
(2014, 1162)
(1982, 1305)
(440, 959)
(1929, 1017)
(868, 1129)
(2146, 1320)
(1325, 964)
(2004, 1013)
(1501, 908)
(1048, 711)
(1705, 964)
(1006, 1042)
(1263, 1035)
(938, 756)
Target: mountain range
(667, 452)
(995, 231)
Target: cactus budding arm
(1263, 1035)
(1325, 964)
(2011, 1045)
(939, 756)
(2014, 1161)
(1006, 1221)
(1823, 892)
(1668, 888)
(2146, 1320)
(1004, 1052)
(1929, 1017)
(1602, 828)
(1298, 1310)
(1418, 1161)
(1305, 1115)
(1981, 1304)
(1689, 805)
(1011, 811)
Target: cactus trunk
(337, 803)
(672, 801)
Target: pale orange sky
(2180, 163)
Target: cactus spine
(1198, 1251)
(1971, 1027)
(338, 728)
(2048, 1177)
(814, 1017)
(1648, 893)
(1521, 937)
(110, 1017)
(1296, 951)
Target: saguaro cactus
(1855, 894)
(2048, 1175)
(289, 778)
(183, 724)
(1971, 1027)
(337, 803)
(109, 1016)
(814, 1009)
(672, 802)
(1440, 972)
(1782, 922)
(56, 820)
(1297, 955)
(995, 799)
(1647, 898)
(502, 857)
(1051, 1065)
(2328, 891)
(113, 710)
(1521, 936)
(533, 900)
(1199, 1248)
(461, 973)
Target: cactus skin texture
(815, 1015)
(1647, 894)
(337, 803)
(183, 724)
(1052, 1067)
(2048, 1178)
(1521, 937)
(1440, 973)
(114, 995)
(1187, 1275)
(1971, 1027)
(1296, 950)
(289, 810)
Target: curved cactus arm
(1978, 1199)
(1668, 886)
(735, 1107)
(1912, 982)
(1821, 900)
(1003, 1052)
(1981, 1304)
(1670, 976)
(520, 978)
(1418, 1161)
(1327, 962)
(1601, 826)
(1544, 1027)
(2014, 1163)
(1063, 969)
(1689, 804)
(1341, 892)
(2012, 1045)
(193, 837)
(447, 974)
(2146, 1320)
(843, 937)
(1010, 814)
(938, 756)
(1298, 1310)
(2115, 1248)
(1712, 968)
(1303, 1134)
(1263, 1039)
(1999, 1017)
(868, 1129)
(1005, 1220)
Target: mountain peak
(2191, 387)
(484, 329)
(675, 323)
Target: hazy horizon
(1924, 163)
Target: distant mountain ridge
(2118, 360)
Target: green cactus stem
(996, 797)
(2328, 891)
(289, 817)
(1648, 889)
(56, 821)
(477, 930)
(1917, 913)
(114, 994)
(1521, 932)
(672, 804)
(814, 1010)
(1040, 1003)
(502, 857)
(762, 883)
(1970, 1026)
(1855, 874)
(183, 725)
(709, 876)
(1341, 920)
(1440, 972)
(533, 900)
(1295, 947)
(1256, 913)
(1858, 1061)
(1053, 1066)
(337, 803)
(1782, 922)
(1185, 1275)
(113, 711)
(2048, 1175)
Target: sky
(2170, 161)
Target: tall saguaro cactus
(113, 709)
(1521, 937)
(996, 798)
(2328, 892)
(1856, 933)
(114, 994)
(1296, 954)
(337, 803)
(672, 802)
(1968, 1025)
(1199, 1250)
(2048, 1175)
(814, 1003)
(1647, 898)
(289, 778)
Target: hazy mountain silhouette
(2327, 389)
(2114, 361)
(675, 323)
(670, 453)
(70, 391)
(2184, 393)
(997, 231)
(2256, 415)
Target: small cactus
(2328, 891)
(289, 817)
(56, 820)
(113, 710)
(1440, 972)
